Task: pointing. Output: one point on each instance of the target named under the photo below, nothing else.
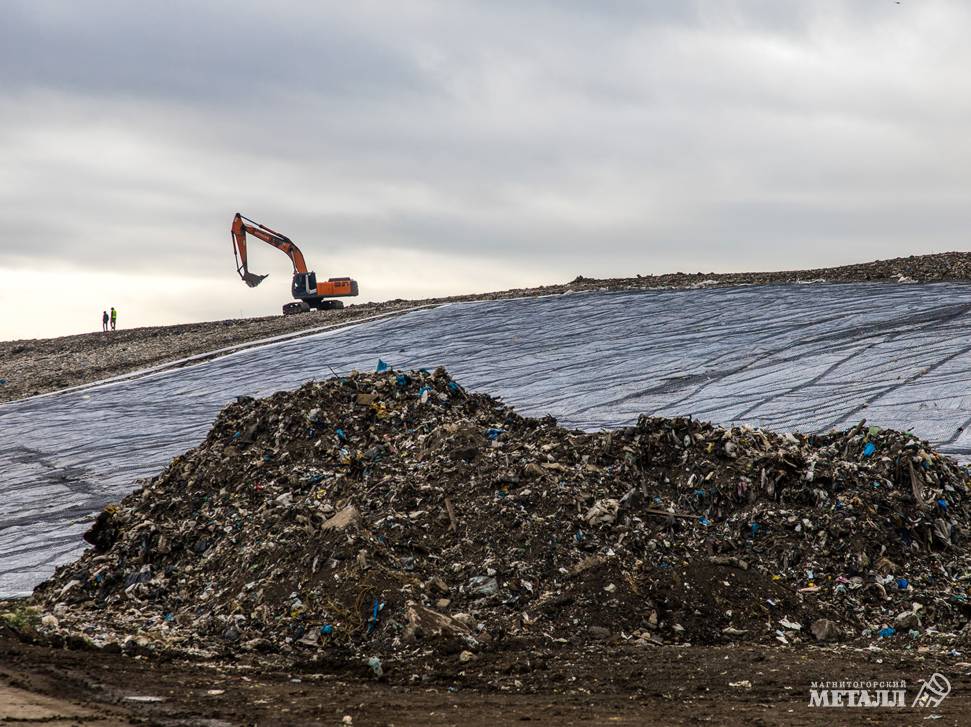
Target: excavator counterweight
(305, 288)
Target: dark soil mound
(398, 515)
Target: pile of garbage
(398, 515)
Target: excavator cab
(304, 285)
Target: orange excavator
(305, 288)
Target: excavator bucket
(252, 279)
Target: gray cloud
(549, 138)
(201, 53)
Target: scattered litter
(824, 630)
(375, 664)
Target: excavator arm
(243, 226)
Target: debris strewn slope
(397, 515)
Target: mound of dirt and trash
(397, 516)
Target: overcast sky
(430, 148)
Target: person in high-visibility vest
(114, 317)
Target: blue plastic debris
(402, 380)
(705, 521)
(699, 493)
(755, 529)
(886, 632)
(326, 630)
(422, 391)
(169, 617)
(869, 449)
(372, 622)
(494, 433)
(453, 387)
(578, 536)
(341, 434)
(382, 367)
(942, 503)
(902, 584)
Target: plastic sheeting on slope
(797, 357)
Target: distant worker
(104, 320)
(114, 317)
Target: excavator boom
(242, 226)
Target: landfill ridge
(395, 518)
(32, 367)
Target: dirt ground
(606, 684)
(30, 367)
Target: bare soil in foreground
(603, 684)
(37, 366)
